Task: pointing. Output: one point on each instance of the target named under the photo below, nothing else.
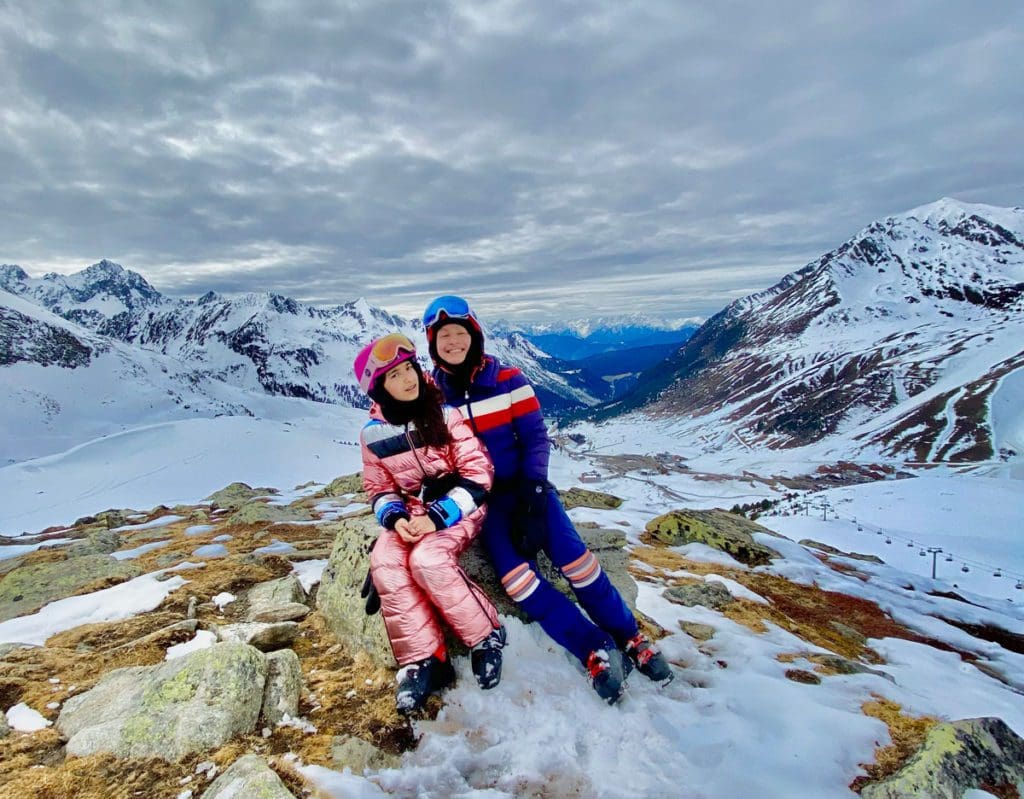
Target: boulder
(982, 753)
(340, 486)
(256, 512)
(350, 752)
(249, 776)
(236, 495)
(28, 588)
(277, 600)
(4, 729)
(191, 704)
(265, 636)
(100, 542)
(714, 528)
(339, 601)
(713, 596)
(576, 497)
(284, 687)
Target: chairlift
(997, 573)
(922, 553)
(949, 558)
(964, 568)
(888, 540)
(910, 544)
(1020, 585)
(878, 532)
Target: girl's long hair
(425, 412)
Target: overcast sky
(546, 159)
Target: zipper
(469, 414)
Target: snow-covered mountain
(908, 339)
(580, 339)
(265, 343)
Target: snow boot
(648, 660)
(607, 674)
(417, 681)
(486, 658)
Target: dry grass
(907, 734)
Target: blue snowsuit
(503, 410)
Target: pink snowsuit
(418, 581)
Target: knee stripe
(520, 582)
(582, 571)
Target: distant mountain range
(908, 340)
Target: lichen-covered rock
(277, 600)
(713, 596)
(576, 497)
(28, 588)
(339, 601)
(348, 751)
(265, 636)
(168, 711)
(831, 550)
(340, 486)
(697, 631)
(957, 756)
(249, 777)
(99, 542)
(236, 495)
(714, 528)
(284, 687)
(255, 512)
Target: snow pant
(610, 624)
(419, 582)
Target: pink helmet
(380, 355)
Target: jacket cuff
(390, 514)
(444, 513)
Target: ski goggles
(448, 307)
(377, 357)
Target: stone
(803, 676)
(850, 634)
(339, 601)
(100, 542)
(249, 777)
(697, 631)
(348, 751)
(831, 550)
(283, 689)
(955, 757)
(277, 600)
(4, 729)
(340, 486)
(256, 512)
(28, 588)
(718, 529)
(713, 596)
(265, 636)
(236, 495)
(192, 704)
(835, 664)
(576, 497)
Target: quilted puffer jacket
(396, 465)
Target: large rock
(577, 497)
(265, 636)
(284, 687)
(339, 601)
(249, 777)
(255, 512)
(98, 542)
(236, 495)
(350, 752)
(342, 486)
(713, 596)
(28, 588)
(714, 528)
(168, 711)
(955, 757)
(277, 600)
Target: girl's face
(453, 343)
(402, 382)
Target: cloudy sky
(547, 159)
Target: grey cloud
(663, 155)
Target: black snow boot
(486, 658)
(648, 659)
(607, 673)
(417, 681)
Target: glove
(369, 593)
(530, 521)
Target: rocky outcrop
(265, 636)
(350, 752)
(339, 601)
(583, 498)
(284, 687)
(713, 596)
(187, 705)
(249, 776)
(714, 528)
(236, 495)
(277, 600)
(26, 589)
(981, 753)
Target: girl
(426, 475)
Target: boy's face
(453, 343)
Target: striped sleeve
(388, 505)
(528, 421)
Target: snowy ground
(730, 725)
